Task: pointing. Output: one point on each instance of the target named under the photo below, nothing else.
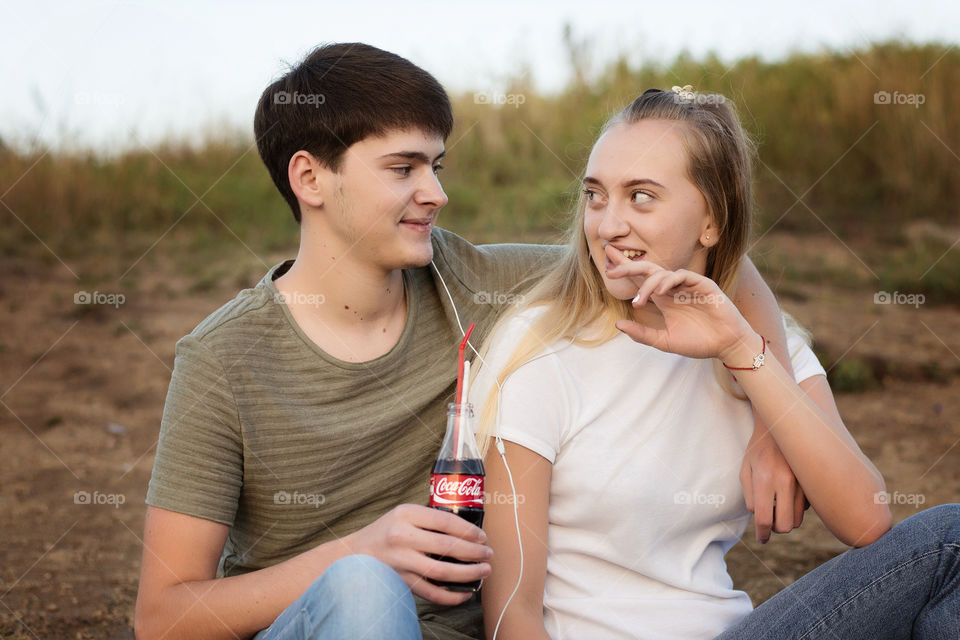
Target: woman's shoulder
(513, 328)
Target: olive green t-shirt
(265, 432)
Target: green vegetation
(852, 376)
(863, 169)
(930, 268)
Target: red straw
(463, 348)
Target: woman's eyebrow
(636, 182)
(642, 182)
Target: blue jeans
(357, 597)
(904, 585)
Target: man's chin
(419, 259)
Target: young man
(304, 416)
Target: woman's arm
(523, 618)
(840, 482)
(758, 305)
(838, 479)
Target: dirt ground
(83, 390)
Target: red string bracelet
(757, 360)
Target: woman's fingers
(648, 287)
(644, 335)
(662, 282)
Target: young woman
(623, 425)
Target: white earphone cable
(499, 444)
(500, 450)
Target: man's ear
(308, 179)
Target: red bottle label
(453, 490)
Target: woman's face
(641, 201)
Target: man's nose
(430, 192)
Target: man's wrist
(759, 428)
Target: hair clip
(684, 93)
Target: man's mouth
(418, 224)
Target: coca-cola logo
(456, 490)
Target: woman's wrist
(745, 353)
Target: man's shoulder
(476, 265)
(242, 318)
(451, 243)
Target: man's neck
(353, 311)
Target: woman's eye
(594, 198)
(640, 197)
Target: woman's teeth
(633, 253)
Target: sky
(112, 74)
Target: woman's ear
(709, 236)
(307, 179)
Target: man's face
(385, 200)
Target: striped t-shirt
(265, 432)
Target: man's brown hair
(338, 95)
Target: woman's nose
(612, 225)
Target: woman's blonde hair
(573, 295)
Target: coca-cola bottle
(456, 484)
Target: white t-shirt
(645, 496)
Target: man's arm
(180, 597)
(765, 475)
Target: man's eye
(640, 197)
(403, 171)
(437, 168)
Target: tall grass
(82, 201)
(859, 166)
(830, 158)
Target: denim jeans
(356, 598)
(904, 585)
